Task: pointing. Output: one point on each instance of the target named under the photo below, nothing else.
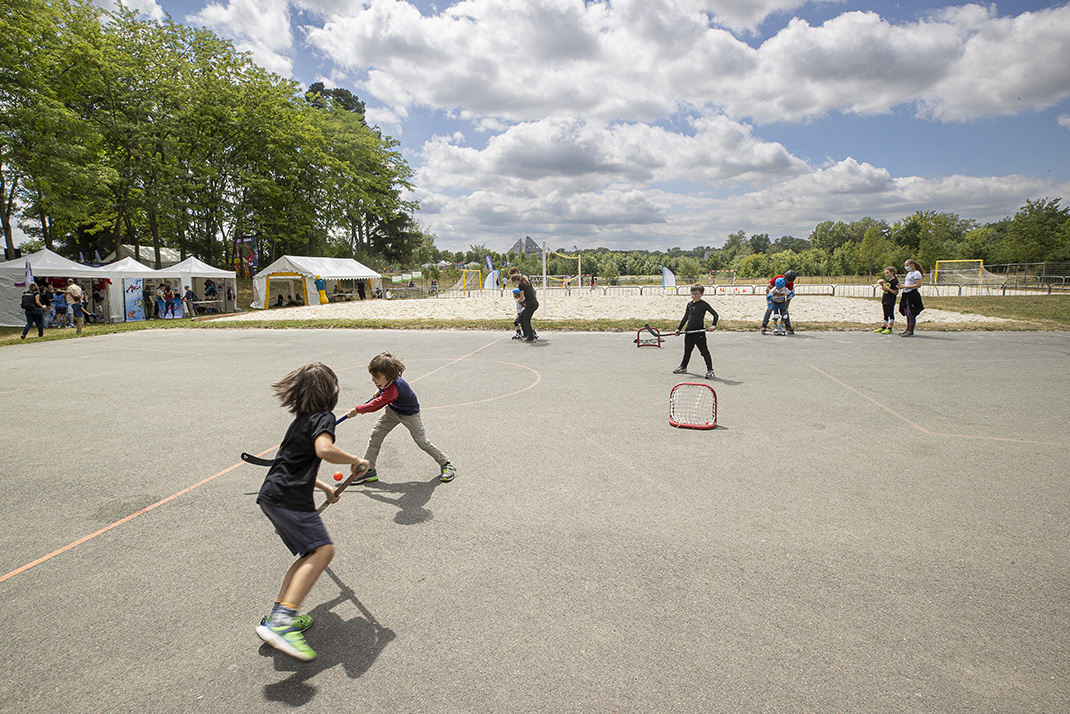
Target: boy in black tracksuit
(693, 318)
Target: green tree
(829, 235)
(1037, 233)
(689, 269)
(873, 251)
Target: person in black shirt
(694, 319)
(889, 286)
(531, 303)
(310, 393)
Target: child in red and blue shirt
(400, 406)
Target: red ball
(338, 476)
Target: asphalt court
(876, 524)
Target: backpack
(28, 302)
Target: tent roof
(326, 268)
(127, 266)
(47, 264)
(168, 256)
(199, 269)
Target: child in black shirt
(310, 393)
(693, 318)
(889, 291)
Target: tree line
(116, 129)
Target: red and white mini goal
(693, 405)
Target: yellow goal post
(470, 280)
(579, 265)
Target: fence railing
(829, 289)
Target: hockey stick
(260, 461)
(658, 333)
(342, 487)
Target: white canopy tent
(296, 275)
(45, 264)
(124, 276)
(199, 275)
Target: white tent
(45, 264)
(199, 275)
(296, 275)
(125, 275)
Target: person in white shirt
(910, 305)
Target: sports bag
(27, 301)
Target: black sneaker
(709, 375)
(764, 330)
(369, 475)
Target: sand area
(592, 305)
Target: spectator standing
(75, 294)
(35, 313)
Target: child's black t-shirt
(291, 480)
(889, 298)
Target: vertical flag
(28, 279)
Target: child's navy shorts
(301, 531)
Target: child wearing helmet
(778, 297)
(789, 283)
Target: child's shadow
(411, 500)
(354, 643)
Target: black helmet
(790, 276)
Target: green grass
(1024, 312)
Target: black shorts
(301, 531)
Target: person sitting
(299, 299)
(278, 301)
(290, 301)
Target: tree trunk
(154, 230)
(7, 203)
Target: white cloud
(261, 27)
(630, 215)
(1006, 65)
(639, 60)
(586, 156)
(1064, 121)
(748, 15)
(146, 8)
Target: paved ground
(879, 524)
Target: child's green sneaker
(288, 639)
(448, 472)
(886, 331)
(300, 623)
(880, 329)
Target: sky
(652, 124)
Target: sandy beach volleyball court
(588, 305)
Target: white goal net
(693, 406)
(470, 280)
(964, 272)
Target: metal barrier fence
(829, 289)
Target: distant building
(525, 246)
